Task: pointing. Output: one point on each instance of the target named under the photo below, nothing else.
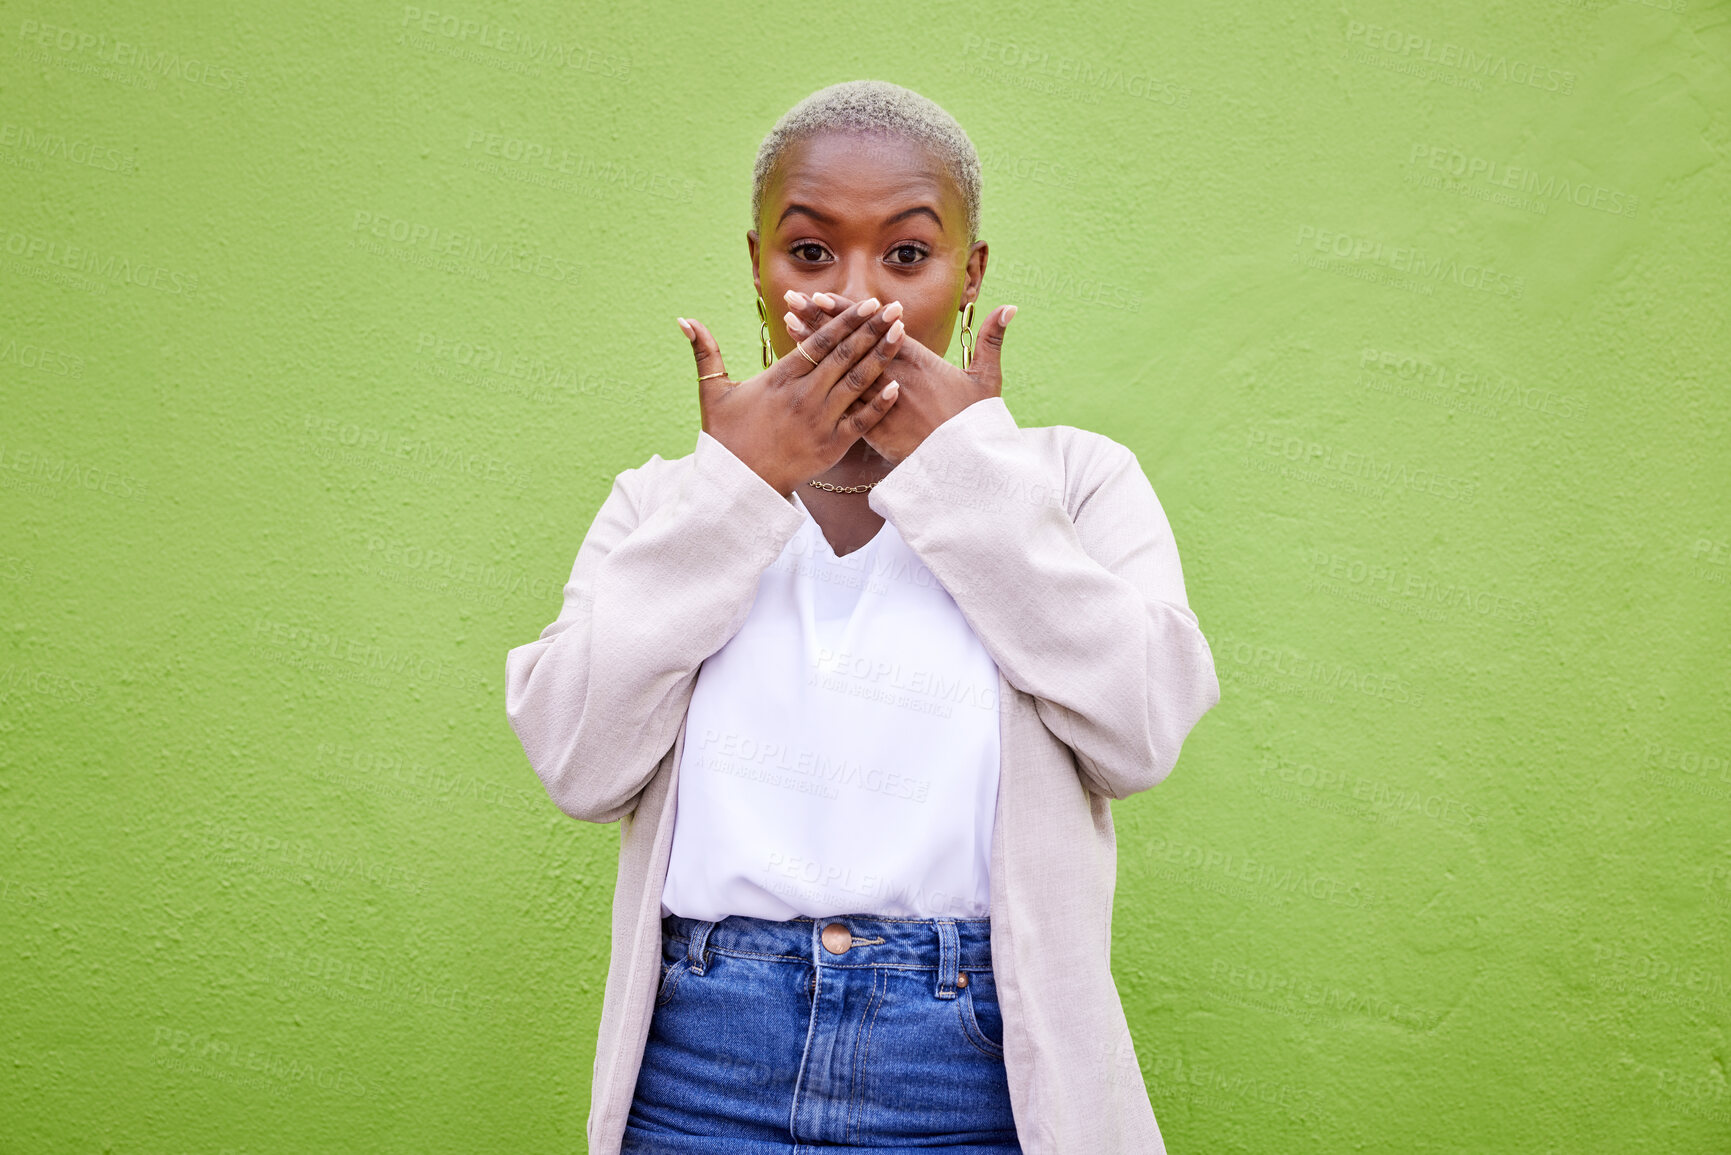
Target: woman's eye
(913, 253)
(808, 251)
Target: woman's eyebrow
(829, 220)
(930, 212)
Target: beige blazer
(1052, 542)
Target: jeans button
(837, 938)
(962, 979)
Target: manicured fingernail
(891, 390)
(1009, 311)
(795, 298)
(686, 326)
(868, 306)
(893, 310)
(796, 326)
(790, 319)
(895, 333)
(822, 300)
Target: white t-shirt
(841, 750)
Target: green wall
(323, 335)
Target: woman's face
(866, 215)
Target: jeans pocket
(671, 971)
(982, 1022)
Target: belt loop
(949, 957)
(698, 941)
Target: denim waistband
(947, 945)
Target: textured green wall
(323, 335)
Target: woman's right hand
(795, 420)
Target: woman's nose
(856, 283)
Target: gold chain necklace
(841, 488)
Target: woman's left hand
(932, 389)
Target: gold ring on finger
(800, 345)
(717, 373)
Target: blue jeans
(847, 1032)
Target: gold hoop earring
(967, 335)
(763, 331)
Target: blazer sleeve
(1085, 612)
(658, 586)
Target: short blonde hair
(874, 105)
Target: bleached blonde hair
(874, 105)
